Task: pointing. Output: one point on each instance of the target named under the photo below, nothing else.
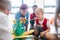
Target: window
(30, 3)
(49, 5)
(15, 5)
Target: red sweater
(32, 16)
(44, 23)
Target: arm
(31, 20)
(17, 16)
(27, 19)
(46, 31)
(48, 26)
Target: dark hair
(23, 6)
(34, 6)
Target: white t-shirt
(53, 29)
(5, 33)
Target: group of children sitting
(40, 24)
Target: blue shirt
(18, 15)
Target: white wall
(39, 3)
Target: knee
(50, 36)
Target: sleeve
(17, 16)
(31, 21)
(48, 24)
(27, 18)
(30, 16)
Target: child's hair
(4, 4)
(39, 9)
(34, 6)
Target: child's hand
(41, 25)
(21, 18)
(35, 32)
(35, 18)
(42, 34)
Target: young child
(5, 7)
(32, 16)
(42, 25)
(23, 14)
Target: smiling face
(39, 13)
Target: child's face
(24, 12)
(39, 14)
(34, 8)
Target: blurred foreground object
(19, 29)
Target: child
(23, 14)
(32, 16)
(42, 25)
(5, 7)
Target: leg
(50, 36)
(39, 30)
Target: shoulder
(2, 14)
(31, 14)
(46, 19)
(17, 14)
(27, 14)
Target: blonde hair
(5, 4)
(39, 9)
